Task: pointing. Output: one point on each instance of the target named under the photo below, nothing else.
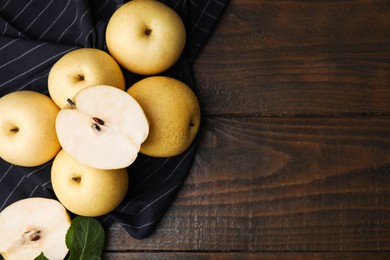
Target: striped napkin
(34, 34)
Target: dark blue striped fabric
(34, 34)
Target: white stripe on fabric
(221, 4)
(86, 38)
(167, 178)
(101, 8)
(11, 42)
(81, 19)
(24, 54)
(142, 226)
(36, 170)
(153, 173)
(142, 182)
(31, 194)
(162, 196)
(74, 21)
(200, 28)
(177, 166)
(36, 66)
(52, 24)
(200, 17)
(5, 28)
(203, 10)
(4, 6)
(31, 81)
(16, 16)
(45, 184)
(142, 163)
(153, 221)
(39, 15)
(5, 174)
(196, 44)
(12, 192)
(177, 4)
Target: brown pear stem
(76, 179)
(80, 77)
(71, 103)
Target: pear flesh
(31, 226)
(102, 127)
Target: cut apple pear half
(31, 226)
(102, 127)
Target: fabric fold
(34, 34)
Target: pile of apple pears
(93, 126)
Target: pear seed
(96, 127)
(34, 237)
(98, 120)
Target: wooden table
(294, 155)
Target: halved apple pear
(102, 127)
(31, 226)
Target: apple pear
(173, 111)
(31, 226)
(145, 36)
(84, 190)
(82, 68)
(102, 127)
(27, 128)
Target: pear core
(34, 225)
(102, 127)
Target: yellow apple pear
(145, 36)
(27, 128)
(84, 190)
(173, 111)
(82, 68)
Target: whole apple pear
(84, 190)
(145, 36)
(173, 111)
(82, 68)
(27, 128)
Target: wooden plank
(242, 256)
(280, 184)
(298, 58)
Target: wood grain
(294, 155)
(296, 184)
(298, 57)
(242, 256)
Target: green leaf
(85, 239)
(41, 257)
